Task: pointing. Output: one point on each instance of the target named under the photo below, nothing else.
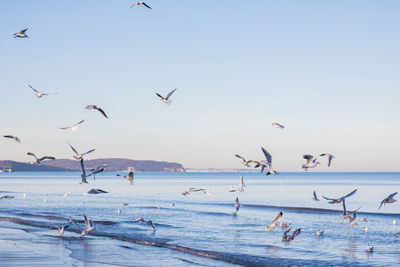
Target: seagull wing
(309, 158)
(87, 222)
(327, 198)
(170, 93)
(78, 123)
(24, 30)
(278, 217)
(73, 149)
(330, 160)
(31, 154)
(295, 233)
(240, 157)
(392, 195)
(160, 96)
(146, 5)
(83, 168)
(267, 155)
(349, 195)
(46, 157)
(102, 112)
(33, 89)
(315, 195)
(90, 151)
(380, 206)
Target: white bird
(38, 160)
(97, 108)
(389, 199)
(16, 139)
(79, 156)
(277, 125)
(272, 225)
(60, 229)
(149, 222)
(320, 233)
(128, 176)
(329, 156)
(267, 163)
(72, 127)
(21, 34)
(341, 200)
(311, 162)
(166, 99)
(119, 211)
(140, 3)
(97, 170)
(89, 226)
(394, 221)
(241, 184)
(369, 249)
(40, 94)
(365, 229)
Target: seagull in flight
(72, 127)
(40, 94)
(166, 99)
(89, 226)
(97, 170)
(38, 160)
(79, 156)
(21, 34)
(237, 206)
(311, 162)
(247, 162)
(140, 3)
(278, 125)
(329, 156)
(272, 225)
(287, 238)
(389, 199)
(16, 139)
(97, 108)
(149, 222)
(128, 176)
(266, 163)
(341, 199)
(315, 196)
(60, 229)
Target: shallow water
(199, 228)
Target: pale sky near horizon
(327, 70)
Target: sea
(199, 229)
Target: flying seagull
(72, 127)
(241, 184)
(79, 156)
(329, 156)
(97, 108)
(278, 125)
(166, 99)
(389, 199)
(21, 34)
(311, 162)
(149, 222)
(13, 137)
(140, 3)
(89, 226)
(341, 199)
(287, 238)
(38, 160)
(272, 225)
(60, 229)
(315, 196)
(40, 94)
(128, 176)
(97, 170)
(267, 163)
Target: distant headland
(114, 164)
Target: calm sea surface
(199, 229)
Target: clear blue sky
(328, 70)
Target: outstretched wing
(102, 112)
(31, 154)
(267, 155)
(327, 198)
(309, 158)
(73, 149)
(349, 195)
(24, 30)
(170, 93)
(90, 151)
(33, 89)
(392, 195)
(46, 157)
(278, 217)
(240, 157)
(78, 123)
(315, 195)
(295, 233)
(143, 3)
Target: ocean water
(199, 228)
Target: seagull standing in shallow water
(166, 99)
(97, 108)
(21, 34)
(389, 199)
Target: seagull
(365, 229)
(39, 94)
(272, 225)
(60, 229)
(21, 34)
(72, 127)
(287, 238)
(341, 199)
(149, 222)
(241, 184)
(186, 192)
(140, 3)
(13, 137)
(97, 108)
(315, 196)
(352, 220)
(329, 156)
(237, 206)
(80, 156)
(128, 176)
(97, 191)
(284, 225)
(369, 249)
(89, 226)
(266, 163)
(166, 99)
(278, 125)
(389, 199)
(311, 162)
(97, 170)
(245, 162)
(38, 160)
(364, 219)
(394, 221)
(319, 233)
